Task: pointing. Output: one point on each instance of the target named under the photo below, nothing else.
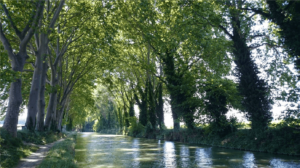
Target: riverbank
(283, 140)
(12, 149)
(61, 154)
(280, 138)
(108, 150)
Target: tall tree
(18, 56)
(254, 90)
(41, 53)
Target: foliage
(12, 149)
(149, 128)
(135, 128)
(255, 93)
(39, 137)
(61, 154)
(105, 110)
(220, 94)
(279, 139)
(222, 128)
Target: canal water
(95, 150)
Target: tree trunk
(51, 109)
(36, 83)
(59, 119)
(152, 106)
(253, 89)
(160, 107)
(41, 103)
(176, 124)
(12, 114)
(17, 64)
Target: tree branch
(258, 11)
(11, 21)
(226, 31)
(7, 46)
(56, 14)
(37, 17)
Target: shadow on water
(99, 150)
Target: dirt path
(36, 157)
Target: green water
(95, 150)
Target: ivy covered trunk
(181, 89)
(253, 90)
(143, 104)
(152, 106)
(160, 107)
(172, 86)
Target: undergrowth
(12, 149)
(40, 138)
(281, 138)
(61, 155)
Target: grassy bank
(13, 149)
(40, 138)
(277, 139)
(61, 154)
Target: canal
(99, 150)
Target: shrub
(135, 127)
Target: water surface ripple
(95, 150)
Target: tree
(40, 70)
(172, 32)
(18, 59)
(254, 91)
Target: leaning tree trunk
(41, 103)
(253, 89)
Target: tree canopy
(73, 60)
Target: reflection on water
(203, 157)
(248, 160)
(95, 150)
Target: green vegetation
(12, 149)
(280, 138)
(61, 154)
(40, 138)
(85, 62)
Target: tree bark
(160, 107)
(36, 83)
(41, 103)
(12, 114)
